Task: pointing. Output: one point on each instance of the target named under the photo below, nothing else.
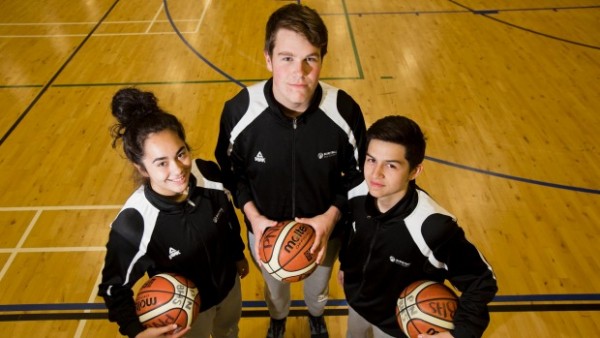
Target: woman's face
(167, 163)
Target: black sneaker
(318, 329)
(276, 328)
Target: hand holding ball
(285, 251)
(167, 299)
(426, 307)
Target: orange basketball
(285, 251)
(166, 299)
(426, 307)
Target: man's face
(296, 67)
(387, 172)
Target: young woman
(179, 220)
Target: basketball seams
(155, 313)
(422, 325)
(284, 274)
(414, 318)
(175, 280)
(286, 270)
(279, 243)
(411, 313)
(266, 254)
(180, 304)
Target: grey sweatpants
(222, 319)
(358, 327)
(316, 286)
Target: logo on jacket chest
(327, 154)
(173, 253)
(260, 158)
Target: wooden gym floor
(507, 92)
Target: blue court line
(515, 178)
(300, 303)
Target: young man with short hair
(289, 147)
(399, 235)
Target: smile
(181, 179)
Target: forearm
(251, 213)
(121, 309)
(474, 277)
(333, 215)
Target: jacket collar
(164, 203)
(401, 210)
(275, 107)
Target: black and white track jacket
(290, 167)
(415, 240)
(198, 238)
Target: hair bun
(132, 104)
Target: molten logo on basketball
(285, 251)
(145, 302)
(295, 241)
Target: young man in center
(289, 147)
(400, 235)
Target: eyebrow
(386, 161)
(284, 53)
(158, 159)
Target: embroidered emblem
(173, 253)
(259, 158)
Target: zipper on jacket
(294, 127)
(371, 245)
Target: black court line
(53, 78)
(566, 299)
(357, 58)
(257, 304)
(335, 307)
(352, 41)
(514, 178)
(190, 47)
(229, 77)
(264, 313)
(239, 82)
(21, 86)
(486, 14)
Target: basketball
(167, 299)
(285, 251)
(426, 307)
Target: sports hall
(507, 93)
